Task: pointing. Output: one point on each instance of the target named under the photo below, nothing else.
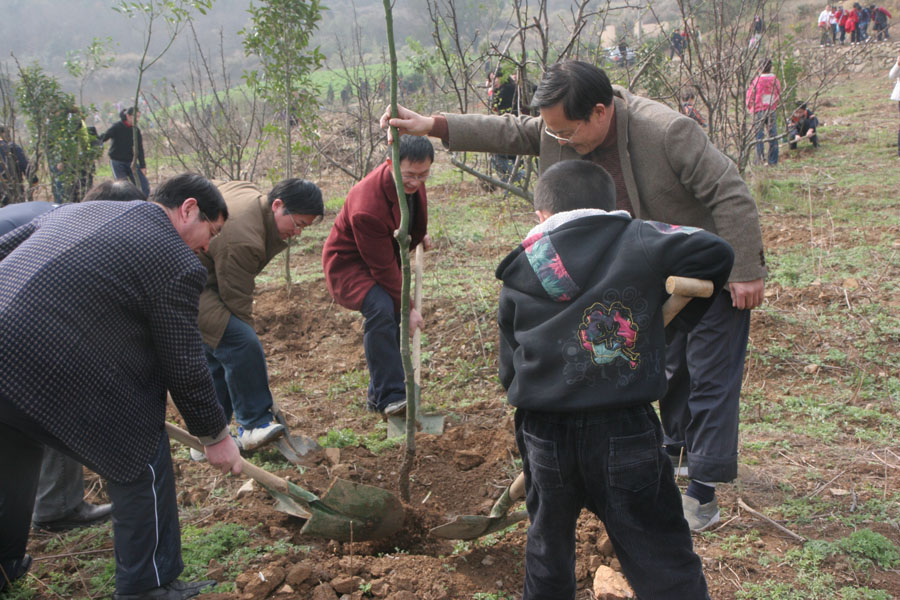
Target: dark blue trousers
(146, 534)
(701, 408)
(381, 342)
(122, 170)
(612, 463)
(239, 372)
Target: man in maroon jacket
(361, 260)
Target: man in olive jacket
(257, 230)
(665, 169)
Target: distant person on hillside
(762, 99)
(895, 95)
(677, 44)
(13, 166)
(687, 108)
(880, 17)
(121, 151)
(865, 16)
(803, 125)
(826, 39)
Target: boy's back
(580, 320)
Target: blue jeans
(612, 463)
(122, 170)
(239, 372)
(766, 123)
(701, 408)
(381, 342)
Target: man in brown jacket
(665, 169)
(257, 230)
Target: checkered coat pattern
(98, 318)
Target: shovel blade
(296, 447)
(287, 504)
(470, 527)
(355, 512)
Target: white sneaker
(700, 517)
(250, 439)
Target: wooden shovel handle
(682, 290)
(247, 468)
(417, 335)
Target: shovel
(348, 512)
(469, 527)
(292, 447)
(430, 423)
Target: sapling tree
(279, 34)
(82, 64)
(402, 235)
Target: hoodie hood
(537, 268)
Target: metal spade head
(355, 512)
(470, 527)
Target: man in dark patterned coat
(98, 318)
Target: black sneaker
(176, 590)
(13, 570)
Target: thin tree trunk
(402, 235)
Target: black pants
(612, 463)
(701, 407)
(147, 537)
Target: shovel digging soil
(347, 512)
(469, 527)
(292, 447)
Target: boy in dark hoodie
(582, 356)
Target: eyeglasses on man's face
(568, 138)
(302, 224)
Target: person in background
(880, 16)
(121, 150)
(13, 167)
(827, 36)
(763, 96)
(865, 16)
(895, 94)
(687, 108)
(677, 44)
(803, 125)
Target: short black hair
(300, 197)
(2, 129)
(580, 86)
(174, 191)
(126, 111)
(119, 190)
(767, 65)
(574, 184)
(416, 149)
